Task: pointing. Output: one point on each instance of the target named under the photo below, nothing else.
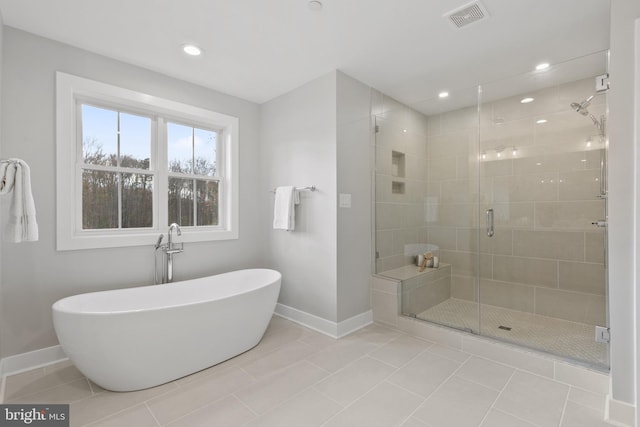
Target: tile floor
(556, 336)
(297, 377)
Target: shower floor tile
(556, 336)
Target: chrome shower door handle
(489, 221)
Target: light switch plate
(345, 200)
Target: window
(129, 164)
(115, 169)
(193, 186)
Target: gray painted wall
(2, 203)
(298, 147)
(34, 275)
(623, 243)
(319, 134)
(354, 177)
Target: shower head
(582, 107)
(579, 108)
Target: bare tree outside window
(100, 192)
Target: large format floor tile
(534, 399)
(385, 405)
(296, 377)
(351, 382)
(458, 403)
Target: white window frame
(72, 90)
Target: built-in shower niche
(397, 172)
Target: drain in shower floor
(506, 328)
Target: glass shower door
(452, 205)
(542, 167)
(427, 205)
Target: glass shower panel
(426, 206)
(542, 163)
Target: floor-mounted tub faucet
(172, 249)
(169, 250)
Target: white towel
(284, 214)
(15, 178)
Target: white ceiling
(260, 49)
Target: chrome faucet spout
(176, 227)
(173, 227)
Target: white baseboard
(324, 326)
(354, 323)
(621, 413)
(34, 359)
(12, 365)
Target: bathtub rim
(63, 305)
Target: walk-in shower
(507, 185)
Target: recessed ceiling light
(443, 94)
(192, 50)
(541, 121)
(315, 5)
(542, 66)
(526, 100)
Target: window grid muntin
(117, 108)
(219, 168)
(119, 174)
(220, 146)
(159, 144)
(69, 89)
(118, 169)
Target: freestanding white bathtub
(131, 339)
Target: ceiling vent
(467, 15)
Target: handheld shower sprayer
(159, 241)
(155, 261)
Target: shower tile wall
(545, 257)
(452, 202)
(401, 181)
